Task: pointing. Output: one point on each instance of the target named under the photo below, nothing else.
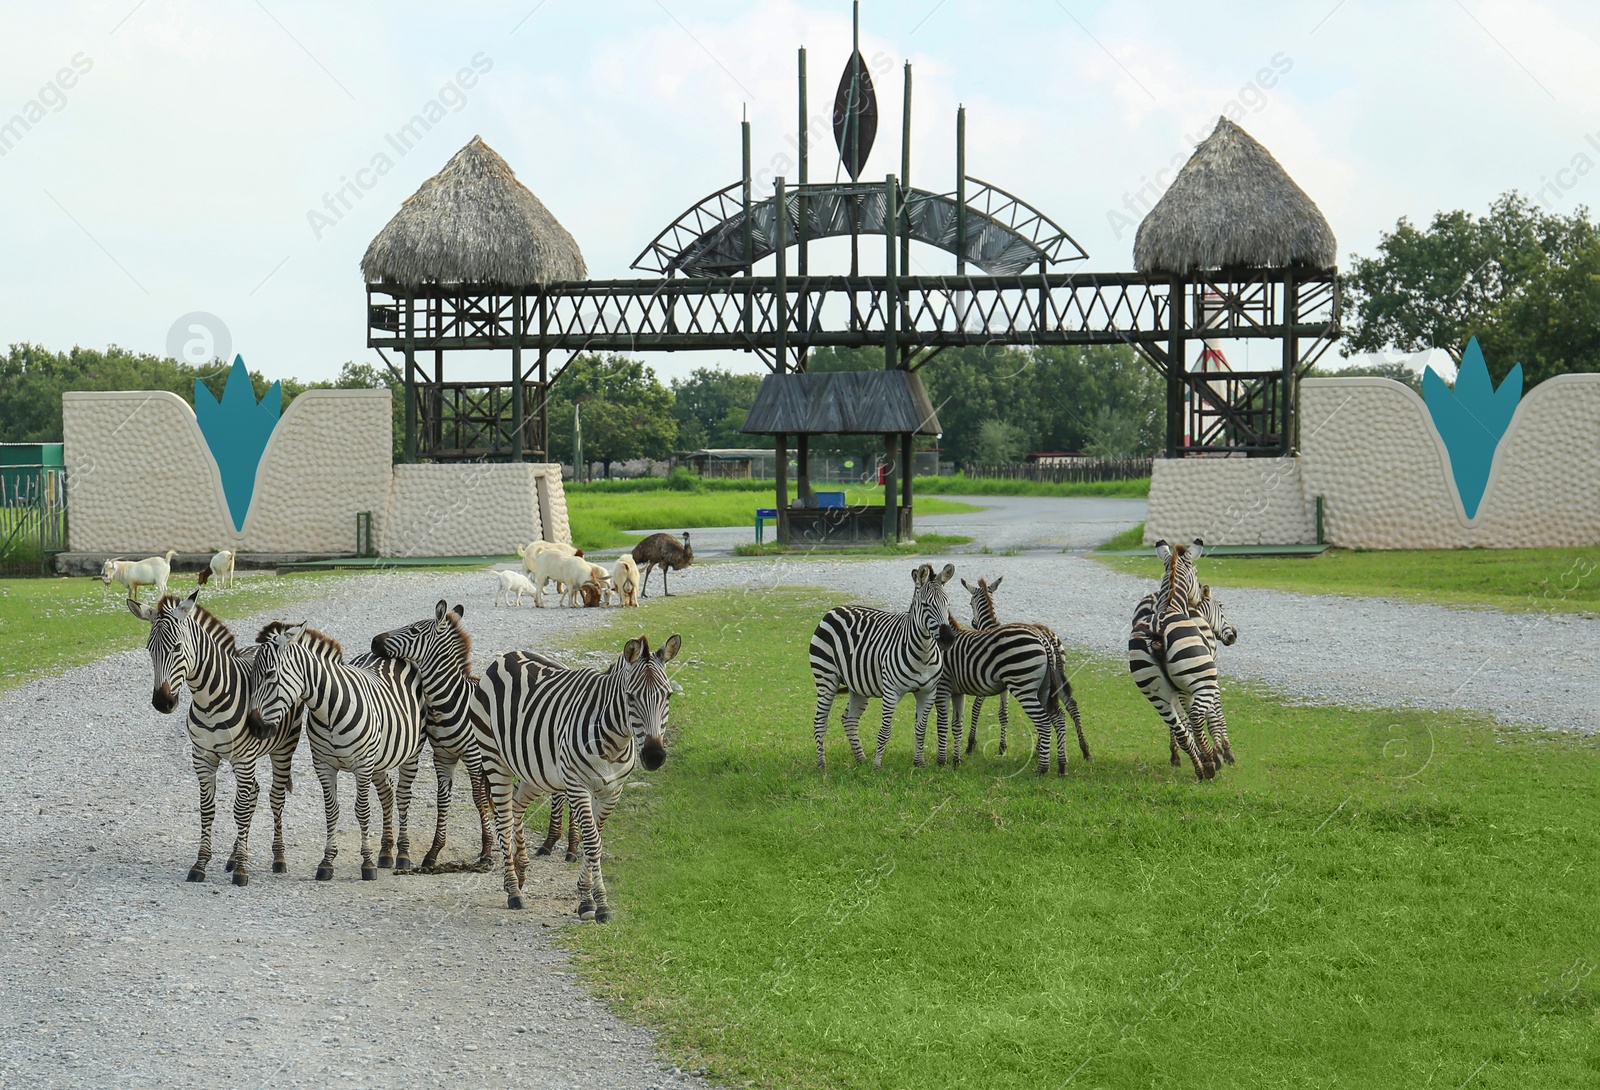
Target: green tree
(710, 406)
(1552, 325)
(1458, 278)
(1397, 371)
(999, 443)
(627, 412)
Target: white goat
(222, 568)
(625, 579)
(151, 572)
(569, 572)
(530, 552)
(513, 582)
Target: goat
(569, 572)
(153, 571)
(667, 552)
(530, 552)
(625, 579)
(600, 579)
(222, 567)
(513, 582)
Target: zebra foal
(1014, 658)
(190, 647)
(441, 650)
(575, 732)
(875, 653)
(366, 717)
(1152, 678)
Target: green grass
(1369, 899)
(925, 543)
(1131, 538)
(48, 625)
(962, 485)
(1517, 580)
(600, 516)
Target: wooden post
(517, 421)
(802, 212)
(1291, 359)
(411, 378)
(780, 244)
(908, 472)
(1175, 366)
(891, 357)
(802, 455)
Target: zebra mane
(207, 620)
(466, 645)
(271, 629)
(1172, 580)
(322, 640)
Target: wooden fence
(1075, 471)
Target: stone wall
(1369, 448)
(141, 480)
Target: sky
(188, 158)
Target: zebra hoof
(241, 877)
(197, 874)
(228, 867)
(1001, 752)
(602, 915)
(585, 910)
(430, 861)
(573, 857)
(369, 874)
(401, 864)
(324, 873)
(279, 867)
(513, 900)
(386, 861)
(542, 851)
(484, 862)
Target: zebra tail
(1051, 686)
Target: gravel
(115, 971)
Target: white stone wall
(141, 480)
(473, 509)
(1228, 501)
(1369, 448)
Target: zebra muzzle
(163, 700)
(652, 754)
(256, 724)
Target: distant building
(734, 462)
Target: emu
(667, 552)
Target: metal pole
(961, 190)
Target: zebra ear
(1199, 548)
(190, 602)
(669, 650)
(440, 608)
(460, 610)
(142, 611)
(1205, 594)
(970, 588)
(1163, 550)
(634, 648)
(947, 574)
(996, 584)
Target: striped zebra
(366, 717)
(577, 732)
(189, 646)
(1171, 654)
(984, 616)
(441, 650)
(874, 653)
(1017, 658)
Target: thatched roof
(842, 403)
(1232, 205)
(473, 223)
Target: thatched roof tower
(473, 223)
(1232, 206)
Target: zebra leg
(853, 709)
(972, 734)
(1190, 741)
(602, 904)
(1194, 709)
(282, 784)
(205, 769)
(366, 784)
(558, 805)
(445, 770)
(1215, 724)
(329, 776)
(385, 789)
(941, 706)
(1077, 721)
(405, 778)
(1005, 723)
(819, 726)
(480, 799)
(890, 700)
(1176, 759)
(500, 797)
(246, 793)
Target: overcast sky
(181, 157)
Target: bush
(681, 480)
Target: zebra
(872, 652)
(1171, 656)
(190, 646)
(441, 650)
(366, 717)
(984, 616)
(1153, 681)
(580, 732)
(1016, 658)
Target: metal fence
(1075, 471)
(33, 518)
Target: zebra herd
(529, 727)
(925, 653)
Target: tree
(710, 406)
(1437, 288)
(627, 413)
(998, 443)
(1397, 371)
(1552, 325)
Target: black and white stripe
(366, 717)
(985, 616)
(1013, 658)
(874, 653)
(441, 650)
(576, 732)
(190, 647)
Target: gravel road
(116, 972)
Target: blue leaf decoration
(1472, 418)
(237, 429)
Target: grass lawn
(601, 515)
(1517, 580)
(1370, 898)
(48, 625)
(962, 485)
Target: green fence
(33, 518)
